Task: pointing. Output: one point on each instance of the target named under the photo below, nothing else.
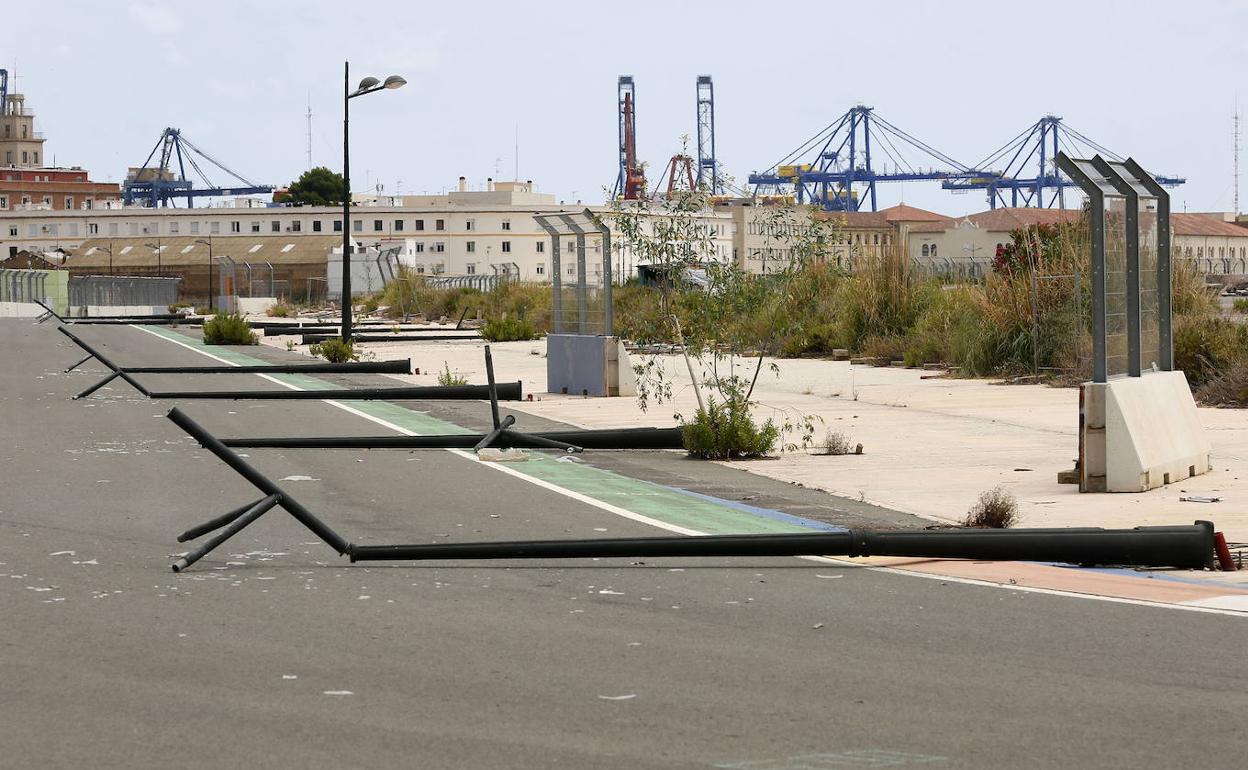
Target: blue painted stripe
(767, 513)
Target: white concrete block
(1152, 433)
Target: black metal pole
(620, 438)
(509, 391)
(493, 435)
(1184, 546)
(211, 300)
(247, 517)
(401, 366)
(111, 376)
(346, 203)
(80, 363)
(218, 522)
(489, 379)
(311, 339)
(259, 480)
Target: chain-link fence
(120, 290)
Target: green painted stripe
(636, 495)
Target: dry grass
(995, 509)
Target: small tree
(315, 187)
(676, 238)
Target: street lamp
(367, 86)
(208, 243)
(156, 248)
(109, 249)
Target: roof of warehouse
(257, 250)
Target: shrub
(175, 307)
(506, 329)
(280, 310)
(726, 431)
(995, 509)
(335, 350)
(1240, 305)
(228, 329)
(1228, 389)
(447, 377)
(836, 443)
(1207, 346)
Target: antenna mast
(309, 129)
(1235, 157)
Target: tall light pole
(208, 243)
(367, 86)
(155, 247)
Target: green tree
(316, 187)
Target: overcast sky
(105, 78)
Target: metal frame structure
(579, 225)
(1028, 168)
(630, 182)
(161, 191)
(708, 166)
(1100, 179)
(826, 169)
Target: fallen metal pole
(1175, 546)
(146, 320)
(312, 339)
(217, 523)
(618, 438)
(116, 371)
(247, 517)
(259, 480)
(509, 391)
(80, 363)
(401, 366)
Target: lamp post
(208, 243)
(109, 249)
(367, 86)
(155, 247)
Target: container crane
(153, 186)
(631, 181)
(1028, 171)
(834, 167)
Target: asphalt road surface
(275, 652)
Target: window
(420, 224)
(69, 201)
(25, 157)
(471, 246)
(316, 225)
(419, 248)
(875, 239)
(506, 224)
(134, 228)
(378, 225)
(439, 224)
(398, 225)
(73, 229)
(506, 247)
(541, 247)
(173, 228)
(8, 156)
(439, 247)
(4, 201)
(925, 251)
(571, 247)
(93, 229)
(112, 228)
(420, 269)
(214, 228)
(541, 269)
(255, 226)
(275, 226)
(337, 225)
(236, 226)
(357, 225)
(472, 268)
(933, 249)
(470, 225)
(194, 228)
(296, 226)
(36, 160)
(12, 231)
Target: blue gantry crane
(835, 168)
(158, 185)
(1028, 170)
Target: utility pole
(1235, 157)
(309, 130)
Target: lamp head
(368, 83)
(394, 81)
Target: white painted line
(1214, 606)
